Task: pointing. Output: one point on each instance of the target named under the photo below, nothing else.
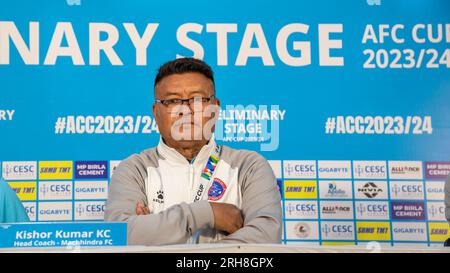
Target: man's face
(187, 124)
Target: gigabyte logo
(159, 197)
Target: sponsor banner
(337, 230)
(371, 190)
(55, 190)
(19, 170)
(55, 170)
(302, 230)
(409, 231)
(91, 169)
(94, 210)
(368, 210)
(30, 208)
(435, 190)
(373, 231)
(91, 190)
(437, 170)
(304, 169)
(405, 170)
(276, 167)
(26, 191)
(407, 210)
(369, 170)
(436, 211)
(63, 235)
(336, 210)
(412, 190)
(334, 169)
(335, 189)
(438, 232)
(55, 211)
(301, 209)
(300, 189)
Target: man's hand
(141, 209)
(227, 217)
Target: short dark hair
(184, 65)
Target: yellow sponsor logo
(373, 231)
(439, 232)
(55, 170)
(338, 243)
(26, 191)
(300, 189)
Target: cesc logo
(337, 231)
(55, 190)
(369, 169)
(299, 169)
(301, 209)
(89, 210)
(372, 210)
(19, 170)
(407, 190)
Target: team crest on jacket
(217, 190)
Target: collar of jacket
(174, 157)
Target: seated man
(189, 189)
(11, 209)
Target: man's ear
(217, 102)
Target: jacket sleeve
(172, 226)
(261, 205)
(447, 199)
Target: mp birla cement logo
(91, 169)
(407, 210)
(437, 170)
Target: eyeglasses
(190, 101)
